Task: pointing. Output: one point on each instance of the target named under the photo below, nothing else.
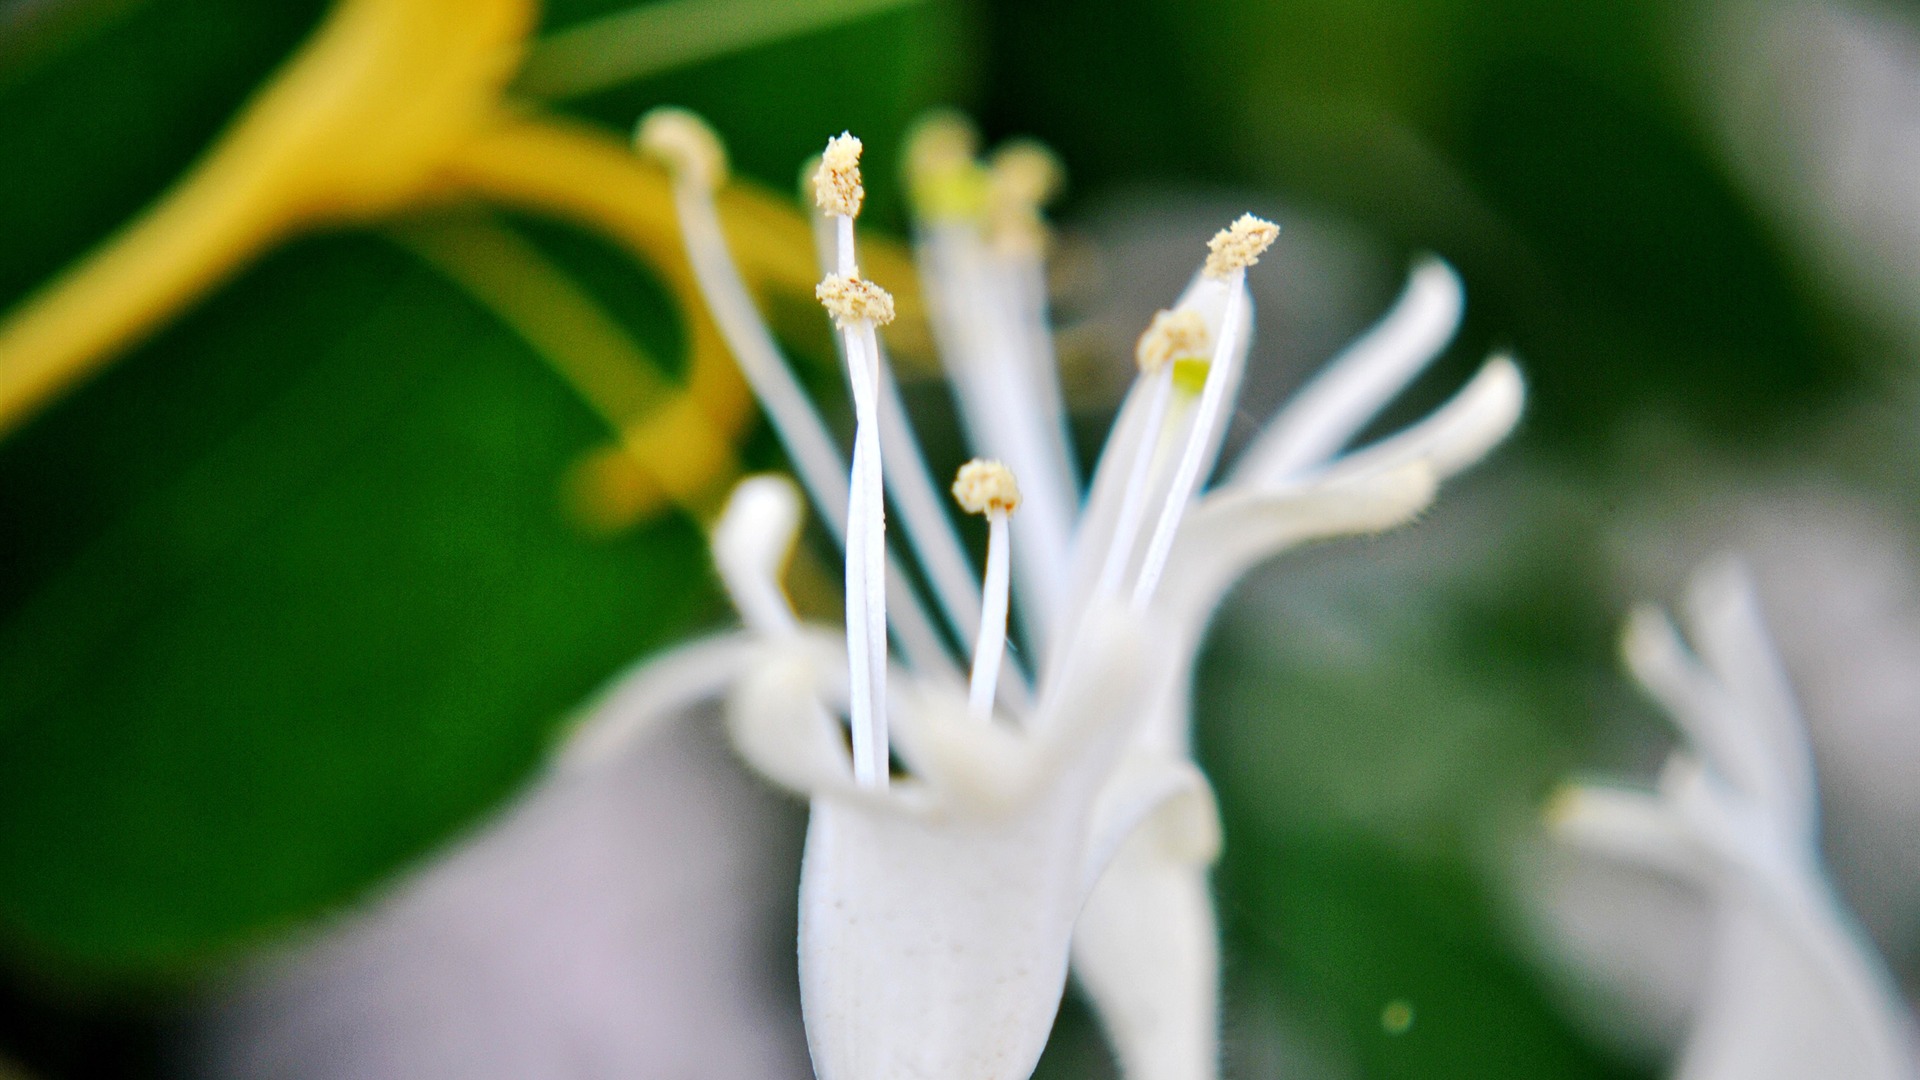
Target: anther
(986, 487)
(1173, 335)
(836, 183)
(684, 143)
(851, 299)
(1239, 245)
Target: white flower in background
(1792, 989)
(951, 853)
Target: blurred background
(298, 591)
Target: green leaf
(291, 598)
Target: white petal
(935, 944)
(1732, 638)
(636, 703)
(1145, 947)
(778, 718)
(1235, 528)
(1729, 740)
(1326, 413)
(1629, 825)
(751, 543)
(1455, 436)
(1788, 1003)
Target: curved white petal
(1712, 720)
(650, 693)
(1629, 825)
(1235, 528)
(934, 944)
(1453, 437)
(778, 719)
(751, 543)
(1320, 419)
(1145, 947)
(1724, 617)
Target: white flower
(939, 904)
(1792, 988)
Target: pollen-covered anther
(851, 298)
(1172, 335)
(684, 143)
(986, 487)
(836, 183)
(1239, 245)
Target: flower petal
(1145, 947)
(1453, 437)
(934, 944)
(1235, 528)
(1724, 616)
(778, 719)
(651, 692)
(1318, 420)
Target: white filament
(1200, 442)
(989, 649)
(866, 566)
(930, 533)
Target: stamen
(675, 140)
(910, 485)
(1231, 251)
(987, 487)
(989, 309)
(836, 184)
(852, 300)
(1173, 336)
(857, 306)
(816, 458)
(1239, 245)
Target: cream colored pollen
(986, 487)
(1239, 245)
(836, 183)
(1172, 335)
(853, 298)
(680, 140)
